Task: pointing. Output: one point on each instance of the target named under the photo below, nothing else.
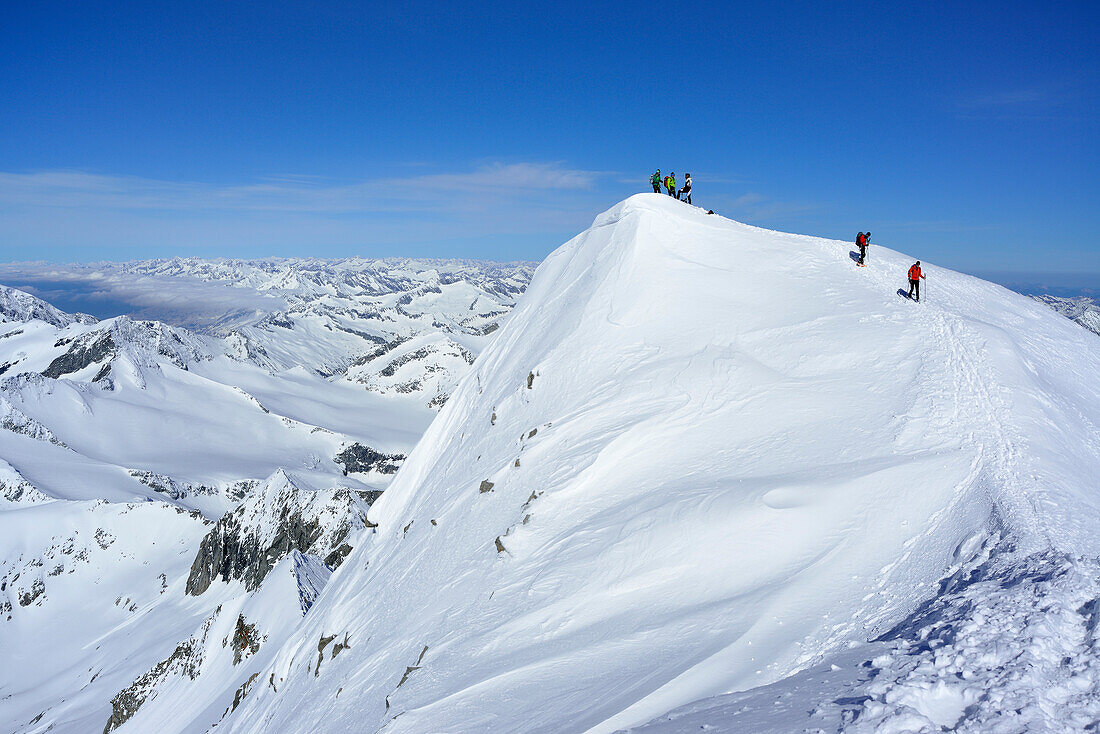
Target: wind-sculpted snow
(1008, 644)
(699, 458)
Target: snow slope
(123, 410)
(160, 421)
(699, 458)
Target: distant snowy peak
(429, 365)
(19, 306)
(347, 276)
(144, 343)
(1082, 309)
(339, 312)
(326, 316)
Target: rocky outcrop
(359, 458)
(14, 420)
(246, 640)
(88, 349)
(276, 519)
(14, 487)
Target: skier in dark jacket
(686, 190)
(861, 242)
(655, 179)
(915, 277)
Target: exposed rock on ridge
(278, 518)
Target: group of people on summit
(669, 182)
(863, 239)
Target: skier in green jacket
(670, 183)
(655, 179)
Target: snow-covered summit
(699, 457)
(17, 305)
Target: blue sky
(968, 134)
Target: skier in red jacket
(915, 277)
(862, 242)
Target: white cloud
(77, 215)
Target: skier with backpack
(670, 183)
(655, 179)
(686, 189)
(862, 240)
(915, 277)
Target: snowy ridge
(17, 306)
(122, 566)
(15, 489)
(699, 458)
(427, 364)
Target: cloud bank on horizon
(134, 217)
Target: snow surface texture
(702, 457)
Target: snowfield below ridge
(123, 440)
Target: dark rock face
(27, 597)
(246, 640)
(230, 553)
(247, 542)
(360, 458)
(334, 559)
(82, 353)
